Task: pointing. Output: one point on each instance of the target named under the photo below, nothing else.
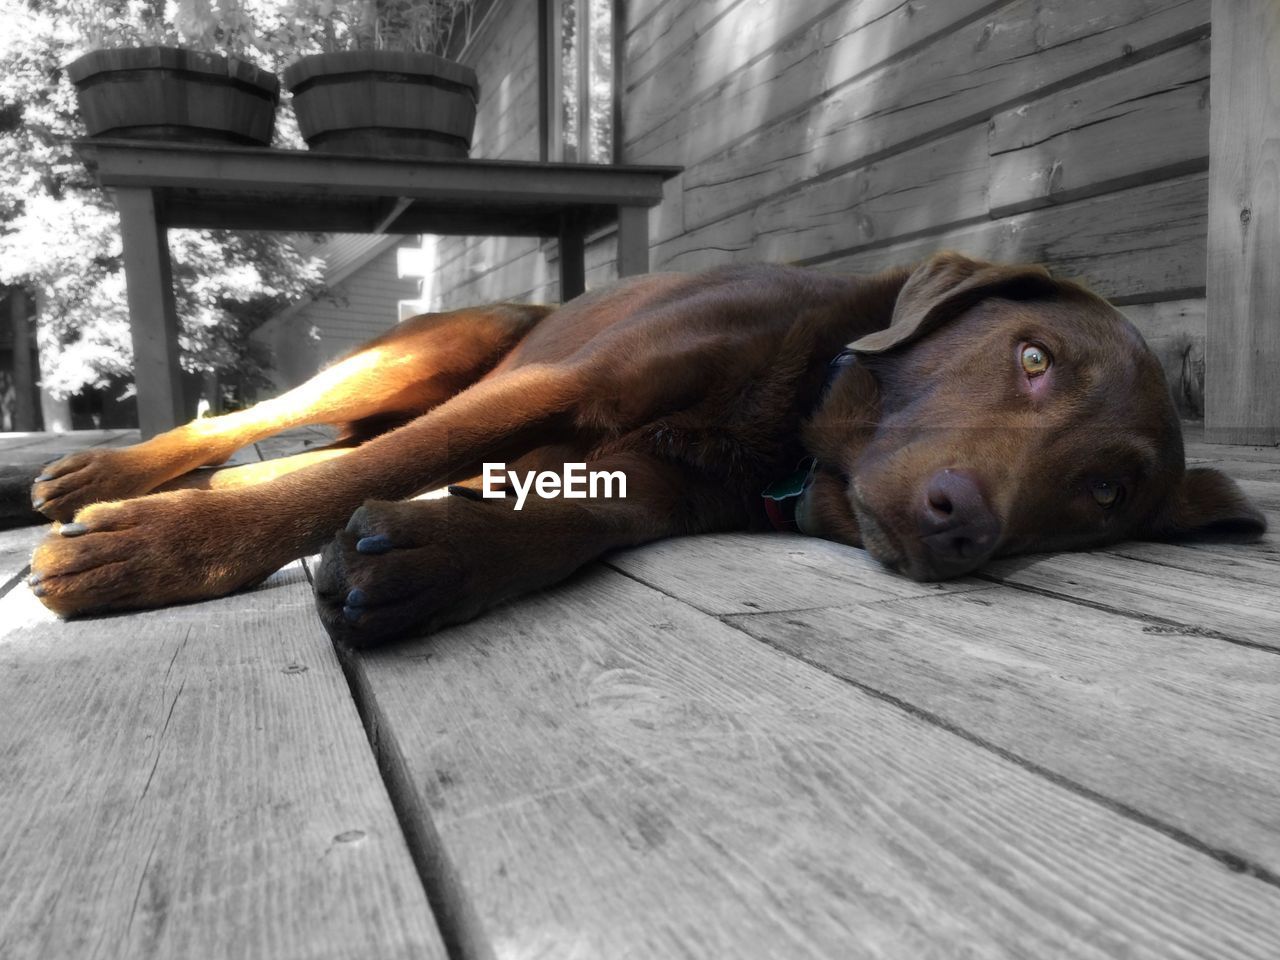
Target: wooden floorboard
(722, 746)
(1180, 729)
(1202, 601)
(192, 782)
(20, 447)
(605, 771)
(731, 573)
(15, 554)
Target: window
(580, 90)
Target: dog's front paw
(134, 554)
(90, 476)
(395, 570)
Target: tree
(59, 233)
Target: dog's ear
(946, 285)
(1208, 501)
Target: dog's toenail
(34, 579)
(37, 503)
(352, 613)
(73, 529)
(44, 477)
(357, 598)
(38, 590)
(374, 544)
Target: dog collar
(782, 497)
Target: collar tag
(793, 484)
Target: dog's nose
(957, 527)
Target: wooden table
(162, 185)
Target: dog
(938, 415)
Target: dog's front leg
(187, 545)
(412, 567)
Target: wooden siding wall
(852, 135)
(360, 308)
(504, 55)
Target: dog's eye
(1107, 493)
(1035, 359)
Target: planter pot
(163, 93)
(384, 103)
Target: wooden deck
(722, 747)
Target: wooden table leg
(573, 258)
(633, 241)
(153, 317)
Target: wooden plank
(1181, 729)
(764, 61)
(505, 57)
(1139, 124)
(34, 446)
(751, 572)
(639, 11)
(153, 316)
(847, 116)
(1242, 404)
(15, 554)
(194, 782)
(1194, 437)
(504, 279)
(1202, 598)
(1257, 562)
(1175, 330)
(927, 188)
(1249, 470)
(294, 441)
(1266, 494)
(655, 40)
(239, 170)
(604, 772)
(1244, 470)
(1146, 243)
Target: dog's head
(1018, 412)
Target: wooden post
(551, 29)
(152, 314)
(573, 258)
(633, 241)
(582, 29)
(55, 412)
(26, 413)
(1242, 345)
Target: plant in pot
(159, 91)
(383, 87)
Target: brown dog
(991, 410)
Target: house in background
(373, 282)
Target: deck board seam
(455, 914)
(13, 581)
(653, 586)
(1231, 861)
(1171, 625)
(844, 604)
